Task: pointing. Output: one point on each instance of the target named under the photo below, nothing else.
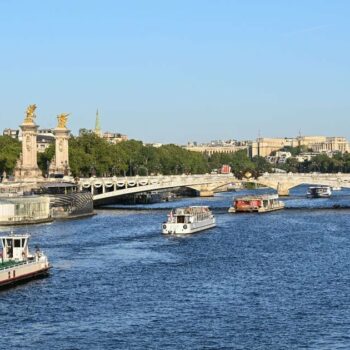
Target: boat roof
(257, 197)
(321, 186)
(190, 210)
(194, 206)
(15, 235)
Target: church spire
(98, 125)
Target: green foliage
(240, 163)
(45, 158)
(90, 155)
(295, 151)
(261, 166)
(10, 150)
(320, 163)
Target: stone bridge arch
(282, 183)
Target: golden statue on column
(30, 114)
(62, 120)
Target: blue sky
(173, 71)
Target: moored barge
(17, 264)
(260, 204)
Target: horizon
(182, 72)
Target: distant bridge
(105, 190)
(282, 183)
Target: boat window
(180, 219)
(17, 243)
(9, 242)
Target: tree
(10, 150)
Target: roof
(257, 197)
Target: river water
(279, 280)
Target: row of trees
(320, 163)
(91, 155)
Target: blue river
(278, 280)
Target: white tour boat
(189, 220)
(319, 192)
(17, 264)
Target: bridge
(282, 183)
(106, 190)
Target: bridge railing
(116, 183)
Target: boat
(259, 203)
(336, 188)
(189, 220)
(319, 192)
(17, 263)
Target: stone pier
(282, 189)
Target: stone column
(60, 164)
(27, 166)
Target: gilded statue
(30, 114)
(62, 120)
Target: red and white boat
(260, 204)
(17, 264)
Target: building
(264, 146)
(13, 133)
(22, 210)
(218, 146)
(43, 142)
(318, 144)
(210, 150)
(44, 138)
(279, 158)
(114, 137)
(331, 145)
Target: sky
(178, 71)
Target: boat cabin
(189, 214)
(14, 247)
(257, 203)
(181, 216)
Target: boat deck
(8, 264)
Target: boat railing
(18, 263)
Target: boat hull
(318, 195)
(184, 229)
(23, 273)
